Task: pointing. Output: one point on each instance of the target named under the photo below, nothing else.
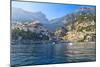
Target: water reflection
(47, 53)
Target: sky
(51, 10)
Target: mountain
(20, 15)
(58, 22)
(79, 26)
(80, 22)
(81, 13)
(72, 17)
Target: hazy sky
(50, 10)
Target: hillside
(30, 31)
(80, 26)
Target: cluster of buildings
(34, 26)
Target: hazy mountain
(56, 23)
(21, 15)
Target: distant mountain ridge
(21, 15)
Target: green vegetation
(28, 35)
(81, 28)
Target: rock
(74, 36)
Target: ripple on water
(25, 54)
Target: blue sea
(52, 53)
